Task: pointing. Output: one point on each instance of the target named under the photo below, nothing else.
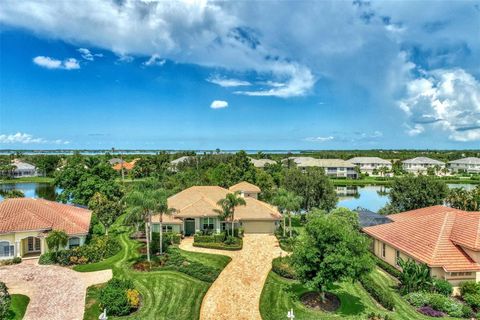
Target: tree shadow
(349, 303)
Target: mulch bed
(312, 300)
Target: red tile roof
(25, 214)
(433, 235)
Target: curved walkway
(236, 292)
(55, 292)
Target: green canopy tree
(228, 205)
(415, 192)
(106, 210)
(57, 239)
(462, 199)
(14, 193)
(329, 251)
(287, 203)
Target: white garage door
(258, 226)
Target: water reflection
(33, 190)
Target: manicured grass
(165, 294)
(280, 295)
(28, 179)
(18, 307)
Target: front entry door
(33, 244)
(189, 227)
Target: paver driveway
(236, 292)
(55, 292)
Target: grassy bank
(165, 294)
(28, 180)
(18, 307)
(280, 295)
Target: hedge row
(382, 296)
(283, 267)
(215, 238)
(387, 267)
(220, 245)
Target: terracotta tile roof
(126, 165)
(200, 201)
(23, 214)
(167, 219)
(245, 187)
(432, 236)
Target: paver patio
(236, 292)
(55, 292)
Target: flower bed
(439, 303)
(283, 268)
(119, 297)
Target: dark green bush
(384, 297)
(283, 267)
(204, 239)
(387, 267)
(176, 261)
(442, 286)
(17, 260)
(472, 299)
(114, 297)
(47, 258)
(5, 301)
(467, 311)
(237, 245)
(168, 238)
(446, 304)
(469, 287)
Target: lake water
(352, 197)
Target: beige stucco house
(370, 164)
(196, 210)
(25, 223)
(445, 239)
(420, 165)
(336, 168)
(469, 165)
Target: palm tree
(57, 239)
(279, 201)
(229, 203)
(141, 206)
(162, 209)
(292, 203)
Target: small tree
(57, 239)
(5, 301)
(292, 203)
(107, 211)
(161, 207)
(414, 276)
(228, 205)
(330, 250)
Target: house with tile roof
(336, 168)
(197, 210)
(25, 223)
(468, 165)
(123, 165)
(447, 240)
(421, 164)
(261, 163)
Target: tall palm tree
(292, 203)
(229, 203)
(57, 239)
(279, 201)
(141, 205)
(161, 207)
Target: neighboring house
(261, 163)
(196, 210)
(26, 222)
(369, 164)
(178, 161)
(421, 164)
(23, 169)
(367, 218)
(445, 239)
(127, 166)
(333, 167)
(115, 161)
(469, 165)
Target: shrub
(429, 312)
(283, 268)
(378, 316)
(418, 299)
(114, 297)
(47, 258)
(203, 239)
(231, 240)
(5, 301)
(446, 304)
(387, 267)
(384, 297)
(472, 299)
(176, 261)
(8, 262)
(442, 286)
(133, 297)
(414, 276)
(220, 245)
(467, 311)
(16, 260)
(469, 287)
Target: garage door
(258, 226)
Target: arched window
(7, 250)
(73, 242)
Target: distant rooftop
(424, 160)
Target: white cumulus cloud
(25, 138)
(51, 63)
(155, 60)
(218, 104)
(447, 100)
(88, 55)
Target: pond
(33, 190)
(352, 197)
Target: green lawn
(18, 307)
(165, 294)
(280, 295)
(28, 179)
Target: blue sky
(239, 75)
